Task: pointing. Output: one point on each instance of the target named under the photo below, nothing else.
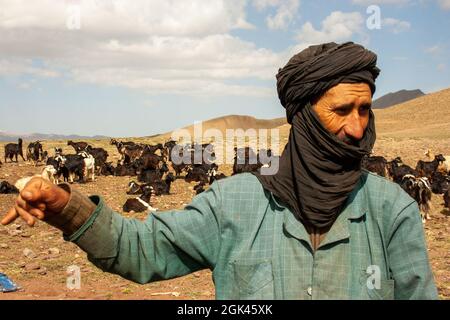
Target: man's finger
(25, 216)
(37, 213)
(10, 217)
(28, 206)
(32, 191)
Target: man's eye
(341, 110)
(365, 108)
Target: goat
(440, 183)
(78, 146)
(107, 169)
(199, 173)
(149, 161)
(7, 188)
(149, 176)
(444, 166)
(199, 188)
(50, 173)
(245, 160)
(100, 155)
(168, 147)
(125, 170)
(427, 168)
(134, 188)
(215, 177)
(420, 190)
(34, 152)
(89, 165)
(163, 187)
(141, 203)
(375, 164)
(447, 199)
(14, 150)
(71, 165)
(397, 171)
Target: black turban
(316, 69)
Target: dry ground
(44, 276)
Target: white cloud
(445, 4)
(173, 46)
(397, 26)
(370, 2)
(436, 49)
(17, 67)
(263, 4)
(285, 14)
(338, 26)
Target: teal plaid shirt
(257, 249)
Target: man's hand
(39, 199)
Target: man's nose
(354, 127)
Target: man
(320, 228)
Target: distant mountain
(394, 98)
(12, 137)
(228, 122)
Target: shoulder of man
(385, 200)
(241, 183)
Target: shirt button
(309, 290)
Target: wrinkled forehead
(349, 93)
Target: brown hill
(424, 117)
(229, 122)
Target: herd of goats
(140, 160)
(154, 177)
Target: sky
(136, 68)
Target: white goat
(89, 165)
(50, 173)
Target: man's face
(344, 110)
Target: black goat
(375, 164)
(71, 165)
(7, 188)
(163, 187)
(35, 152)
(14, 150)
(447, 199)
(100, 155)
(440, 182)
(141, 203)
(199, 188)
(78, 146)
(125, 170)
(397, 171)
(427, 168)
(107, 169)
(150, 176)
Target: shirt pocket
(385, 292)
(254, 281)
